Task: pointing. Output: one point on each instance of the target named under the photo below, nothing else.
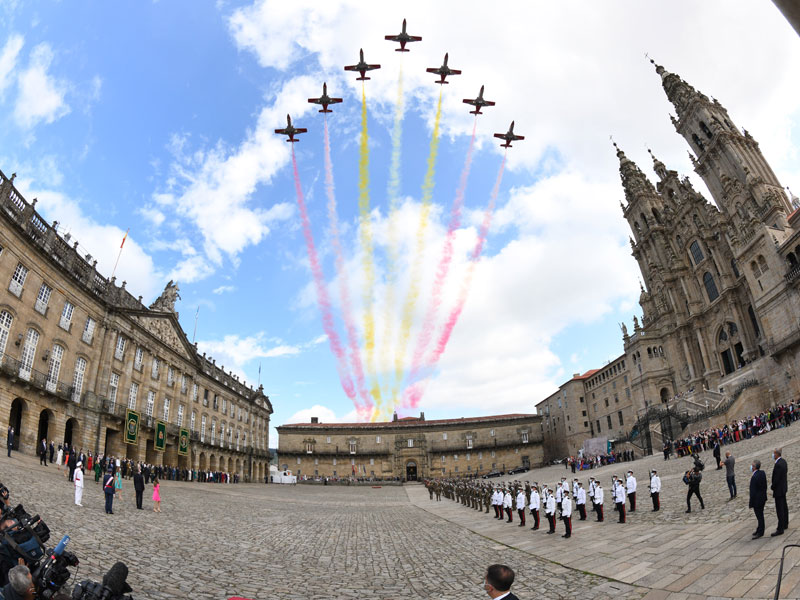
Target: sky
(159, 118)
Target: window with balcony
(151, 402)
(88, 330)
(309, 448)
(77, 382)
(410, 443)
(213, 430)
(180, 415)
(5, 328)
(43, 298)
(221, 435)
(524, 437)
(239, 435)
(54, 368)
(184, 383)
(18, 280)
(194, 392)
(352, 447)
(192, 421)
(66, 315)
(170, 376)
(154, 368)
(377, 439)
(133, 392)
(113, 387)
(224, 405)
(165, 415)
(203, 429)
(138, 358)
(119, 349)
(216, 402)
(28, 353)
(469, 442)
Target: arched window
(755, 269)
(698, 143)
(704, 128)
(723, 337)
(730, 348)
(5, 328)
(644, 219)
(697, 252)
(762, 262)
(77, 381)
(28, 352)
(661, 351)
(54, 367)
(649, 353)
(791, 258)
(735, 268)
(637, 227)
(711, 287)
(656, 216)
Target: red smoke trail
(322, 293)
(341, 274)
(413, 393)
(428, 324)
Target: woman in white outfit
(59, 457)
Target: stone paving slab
(706, 554)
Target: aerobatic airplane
(362, 67)
(403, 38)
(478, 103)
(443, 71)
(325, 100)
(509, 136)
(291, 130)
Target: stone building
(77, 350)
(411, 447)
(721, 310)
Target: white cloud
(8, 61)
(558, 253)
(41, 97)
(223, 289)
(153, 215)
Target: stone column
(688, 355)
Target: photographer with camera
(20, 584)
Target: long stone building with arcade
(411, 448)
(77, 351)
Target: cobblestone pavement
(707, 553)
(283, 542)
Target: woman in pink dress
(157, 495)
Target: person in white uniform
(78, 480)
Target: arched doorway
(202, 465)
(664, 395)
(212, 463)
(230, 465)
(411, 471)
(45, 422)
(72, 432)
(15, 419)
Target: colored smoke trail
(392, 193)
(322, 295)
(341, 274)
(413, 394)
(442, 269)
(367, 262)
(413, 291)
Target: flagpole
(194, 335)
(259, 373)
(125, 237)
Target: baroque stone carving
(163, 329)
(166, 301)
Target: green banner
(160, 443)
(183, 442)
(131, 427)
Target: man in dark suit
(779, 491)
(43, 452)
(758, 496)
(108, 490)
(138, 486)
(497, 583)
(52, 451)
(10, 440)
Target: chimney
(315, 419)
(394, 417)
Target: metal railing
(13, 368)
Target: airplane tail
(442, 82)
(326, 110)
(362, 78)
(402, 50)
(477, 111)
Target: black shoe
(757, 535)
(702, 507)
(689, 510)
(534, 528)
(550, 532)
(774, 533)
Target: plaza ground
(259, 541)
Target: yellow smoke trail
(393, 193)
(416, 267)
(367, 263)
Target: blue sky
(158, 117)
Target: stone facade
(77, 350)
(720, 295)
(411, 447)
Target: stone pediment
(167, 331)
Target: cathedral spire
(634, 181)
(658, 166)
(680, 93)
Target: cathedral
(720, 323)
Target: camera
(24, 536)
(51, 572)
(113, 587)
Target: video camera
(51, 572)
(114, 586)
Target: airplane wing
(414, 38)
(334, 100)
(392, 38)
(315, 100)
(351, 68)
(281, 132)
(470, 101)
(519, 137)
(373, 67)
(300, 130)
(433, 70)
(502, 136)
(454, 72)
(488, 103)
